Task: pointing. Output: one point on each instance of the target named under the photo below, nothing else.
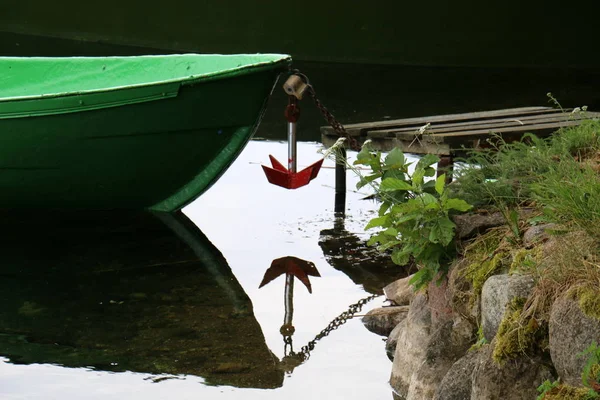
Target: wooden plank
(414, 147)
(484, 123)
(481, 133)
(406, 146)
(357, 129)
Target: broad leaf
(442, 232)
(395, 158)
(407, 217)
(427, 160)
(365, 180)
(417, 178)
(391, 232)
(378, 221)
(379, 238)
(392, 184)
(388, 245)
(427, 199)
(457, 204)
(384, 207)
(440, 182)
(401, 256)
(421, 278)
(429, 171)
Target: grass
(559, 178)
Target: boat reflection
(127, 292)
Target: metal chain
(335, 124)
(336, 323)
(331, 120)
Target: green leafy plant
(414, 217)
(546, 387)
(591, 371)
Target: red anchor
(288, 177)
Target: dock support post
(445, 166)
(340, 182)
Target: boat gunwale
(189, 80)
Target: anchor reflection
(292, 267)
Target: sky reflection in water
(252, 223)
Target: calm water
(138, 307)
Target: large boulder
(458, 381)
(517, 379)
(392, 341)
(383, 320)
(426, 347)
(400, 292)
(469, 225)
(571, 332)
(497, 292)
(412, 344)
(442, 351)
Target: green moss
(484, 257)
(589, 301)
(525, 260)
(588, 298)
(516, 335)
(479, 271)
(566, 392)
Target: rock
(571, 332)
(537, 234)
(497, 292)
(515, 380)
(411, 346)
(383, 320)
(457, 383)
(468, 225)
(400, 292)
(392, 340)
(424, 352)
(441, 352)
(439, 300)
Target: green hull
(124, 143)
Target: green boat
(145, 132)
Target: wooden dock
(455, 134)
(452, 135)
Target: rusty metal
(304, 353)
(332, 121)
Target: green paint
(127, 152)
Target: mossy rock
(516, 335)
(588, 298)
(566, 392)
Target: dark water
(370, 92)
(139, 306)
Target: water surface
(139, 307)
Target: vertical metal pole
(292, 166)
(340, 182)
(288, 299)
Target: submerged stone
(382, 321)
